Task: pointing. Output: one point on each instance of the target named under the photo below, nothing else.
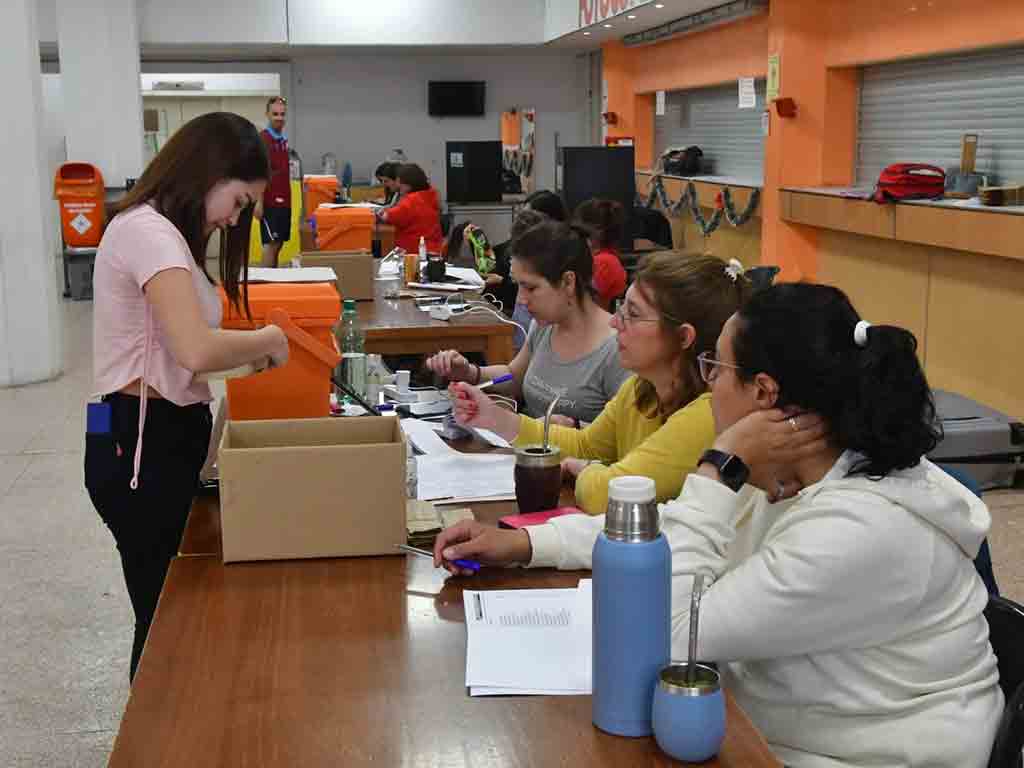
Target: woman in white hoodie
(844, 608)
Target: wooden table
(351, 662)
(399, 327)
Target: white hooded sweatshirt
(848, 620)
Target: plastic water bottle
(632, 571)
(351, 340)
(423, 250)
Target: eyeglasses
(627, 319)
(708, 365)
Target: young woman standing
(156, 324)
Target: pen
(498, 380)
(470, 565)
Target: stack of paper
(465, 477)
(529, 641)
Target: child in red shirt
(604, 221)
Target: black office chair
(1006, 633)
(1006, 749)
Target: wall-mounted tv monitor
(456, 98)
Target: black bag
(684, 162)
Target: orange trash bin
(79, 190)
(301, 389)
(317, 189)
(344, 229)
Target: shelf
(954, 224)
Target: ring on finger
(793, 424)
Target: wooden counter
(956, 225)
(950, 272)
(352, 662)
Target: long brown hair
(694, 289)
(211, 148)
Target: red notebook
(535, 518)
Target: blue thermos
(632, 572)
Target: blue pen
(469, 565)
(499, 380)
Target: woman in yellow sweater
(660, 421)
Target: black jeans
(147, 523)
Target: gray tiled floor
(65, 620)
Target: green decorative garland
(658, 194)
(730, 210)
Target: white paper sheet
(295, 275)
(461, 475)
(529, 641)
(423, 434)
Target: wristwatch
(731, 469)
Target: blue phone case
(98, 419)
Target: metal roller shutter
(917, 111)
(710, 118)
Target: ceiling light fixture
(607, 26)
(659, 5)
(586, 34)
(631, 16)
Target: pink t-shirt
(137, 245)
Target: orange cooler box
(344, 229)
(318, 189)
(79, 189)
(302, 388)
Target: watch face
(733, 472)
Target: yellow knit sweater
(628, 443)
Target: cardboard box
(353, 268)
(304, 488)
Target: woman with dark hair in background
(548, 203)
(156, 324)
(387, 176)
(571, 349)
(417, 213)
(605, 220)
(844, 607)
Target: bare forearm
(223, 349)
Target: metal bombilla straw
(695, 596)
(547, 421)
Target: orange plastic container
(78, 188)
(301, 389)
(318, 189)
(344, 229)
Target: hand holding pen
(472, 566)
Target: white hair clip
(860, 333)
(734, 269)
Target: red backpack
(909, 181)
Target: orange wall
(868, 31)
(716, 56)
(820, 44)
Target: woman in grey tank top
(570, 351)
